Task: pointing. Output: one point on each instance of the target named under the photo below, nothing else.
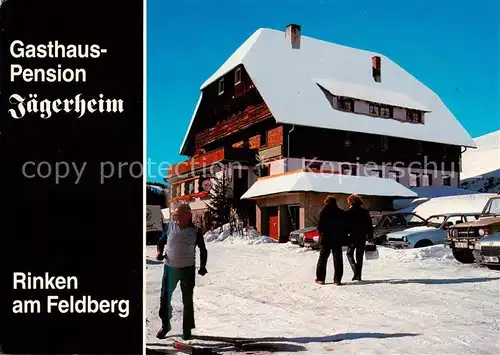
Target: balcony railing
(251, 116)
(202, 161)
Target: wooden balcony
(222, 155)
(251, 116)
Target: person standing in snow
(332, 235)
(360, 230)
(180, 259)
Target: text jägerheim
(33, 103)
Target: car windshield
(493, 207)
(412, 219)
(376, 219)
(435, 221)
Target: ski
(193, 350)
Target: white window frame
(237, 76)
(221, 86)
(416, 176)
(426, 180)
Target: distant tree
(220, 202)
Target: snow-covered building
(284, 102)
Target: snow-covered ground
(411, 302)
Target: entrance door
(273, 227)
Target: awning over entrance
(327, 183)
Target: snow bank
(244, 236)
(436, 252)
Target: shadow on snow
(276, 344)
(427, 281)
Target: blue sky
(452, 46)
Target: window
(376, 173)
(414, 116)
(221, 86)
(414, 180)
(384, 144)
(348, 169)
(176, 190)
(446, 181)
(346, 104)
(265, 170)
(263, 139)
(237, 76)
(189, 187)
(492, 206)
(374, 109)
(427, 180)
(385, 111)
(313, 166)
(394, 175)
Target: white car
(431, 233)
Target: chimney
(292, 34)
(376, 70)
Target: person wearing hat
(180, 258)
(332, 235)
(360, 230)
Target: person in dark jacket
(332, 234)
(360, 230)
(180, 242)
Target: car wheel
(493, 267)
(463, 256)
(381, 240)
(423, 243)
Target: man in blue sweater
(177, 247)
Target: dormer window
(237, 76)
(346, 104)
(414, 116)
(385, 111)
(374, 109)
(221, 86)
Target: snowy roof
(441, 191)
(427, 192)
(482, 161)
(327, 182)
(286, 79)
(369, 93)
(450, 204)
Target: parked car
(432, 232)
(384, 222)
(305, 237)
(487, 251)
(463, 237)
(389, 222)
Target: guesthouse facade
(288, 119)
